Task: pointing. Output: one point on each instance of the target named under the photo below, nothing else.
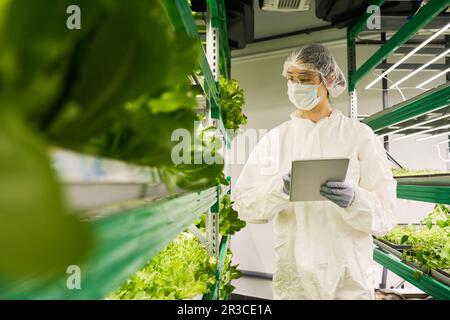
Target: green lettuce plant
(440, 216)
(181, 271)
(231, 102)
(429, 243)
(229, 273)
(399, 172)
(117, 87)
(229, 222)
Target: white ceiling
(272, 23)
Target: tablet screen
(308, 175)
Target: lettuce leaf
(229, 222)
(231, 102)
(181, 271)
(38, 236)
(229, 273)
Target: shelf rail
(419, 105)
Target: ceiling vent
(285, 5)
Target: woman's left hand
(341, 193)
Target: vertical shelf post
(213, 56)
(351, 63)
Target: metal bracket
(196, 232)
(213, 56)
(392, 159)
(212, 48)
(351, 62)
(212, 233)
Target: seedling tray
(439, 275)
(440, 179)
(398, 247)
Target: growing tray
(439, 179)
(441, 276)
(438, 274)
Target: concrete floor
(253, 287)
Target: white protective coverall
(323, 251)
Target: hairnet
(316, 57)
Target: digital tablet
(308, 175)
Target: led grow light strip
(415, 125)
(395, 65)
(433, 136)
(433, 78)
(421, 132)
(443, 54)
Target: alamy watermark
(73, 22)
(374, 20)
(242, 149)
(73, 281)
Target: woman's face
(302, 76)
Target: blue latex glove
(287, 182)
(341, 193)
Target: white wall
(267, 106)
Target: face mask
(303, 96)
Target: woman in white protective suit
(323, 248)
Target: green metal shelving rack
(433, 194)
(214, 63)
(427, 102)
(124, 242)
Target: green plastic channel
(424, 103)
(182, 20)
(224, 131)
(408, 30)
(181, 17)
(216, 207)
(224, 62)
(124, 243)
(210, 85)
(433, 194)
(222, 253)
(225, 190)
(361, 23)
(213, 294)
(434, 288)
(214, 12)
(225, 56)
